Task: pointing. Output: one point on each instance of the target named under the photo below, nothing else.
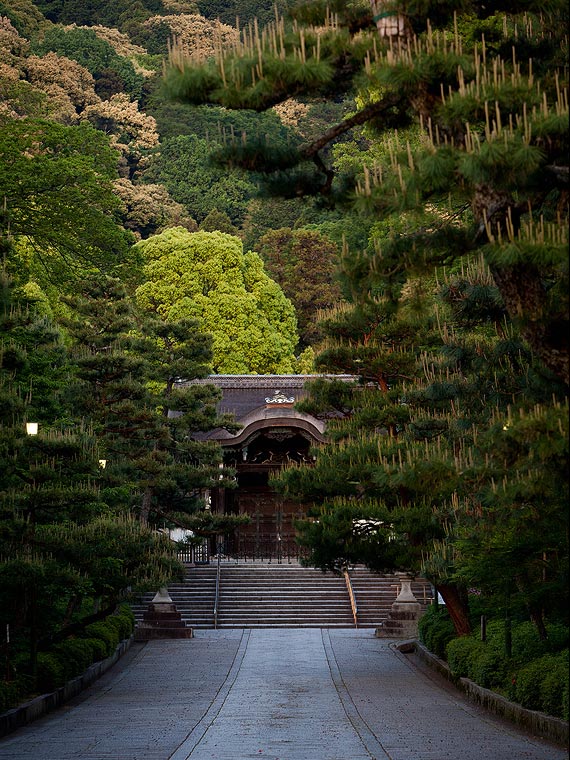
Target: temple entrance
(273, 433)
(271, 533)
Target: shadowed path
(278, 694)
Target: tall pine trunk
(457, 608)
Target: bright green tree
(207, 276)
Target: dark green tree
(126, 371)
(218, 221)
(460, 302)
(483, 134)
(303, 263)
(184, 168)
(62, 547)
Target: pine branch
(366, 114)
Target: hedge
(13, 691)
(436, 629)
(535, 676)
(70, 657)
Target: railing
(248, 549)
(351, 595)
(196, 554)
(279, 551)
(217, 594)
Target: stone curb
(538, 724)
(35, 708)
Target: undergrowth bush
(68, 659)
(540, 685)
(11, 692)
(51, 672)
(436, 629)
(534, 676)
(106, 632)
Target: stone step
(262, 595)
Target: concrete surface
(278, 694)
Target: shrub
(566, 701)
(460, 653)
(436, 630)
(98, 647)
(490, 667)
(528, 646)
(554, 685)
(12, 692)
(75, 656)
(123, 622)
(528, 681)
(106, 632)
(51, 673)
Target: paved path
(295, 694)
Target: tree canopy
(304, 264)
(58, 202)
(207, 276)
(487, 94)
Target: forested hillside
(99, 65)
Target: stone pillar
(402, 621)
(162, 620)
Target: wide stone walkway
(288, 694)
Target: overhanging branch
(370, 112)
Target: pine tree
(459, 315)
(127, 368)
(486, 87)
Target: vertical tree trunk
(146, 504)
(457, 609)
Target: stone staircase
(270, 595)
(282, 596)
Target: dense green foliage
(449, 455)
(58, 202)
(304, 264)
(533, 674)
(66, 550)
(454, 447)
(107, 12)
(183, 167)
(245, 12)
(96, 55)
(206, 276)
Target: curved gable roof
(262, 401)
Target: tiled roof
(243, 394)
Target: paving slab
(275, 694)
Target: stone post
(402, 622)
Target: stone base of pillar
(162, 620)
(402, 621)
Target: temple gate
(273, 434)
